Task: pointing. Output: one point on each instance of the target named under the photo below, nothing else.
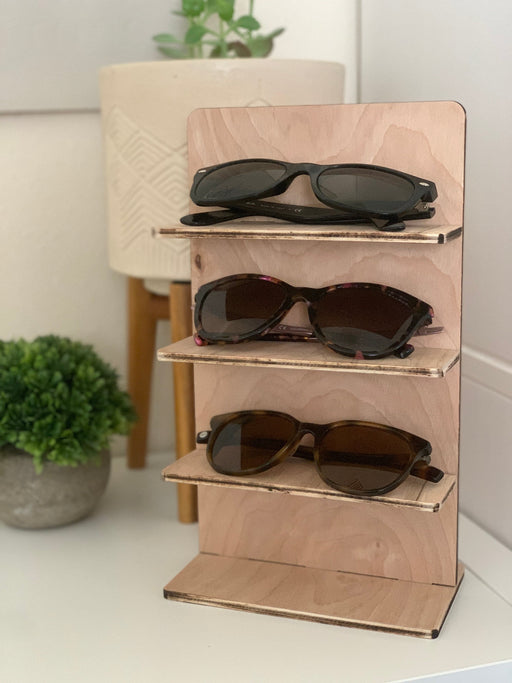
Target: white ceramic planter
(144, 110)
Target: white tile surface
(84, 603)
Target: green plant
(59, 401)
(232, 38)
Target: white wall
(52, 50)
(55, 276)
(53, 235)
(461, 50)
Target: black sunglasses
(360, 320)
(361, 458)
(358, 193)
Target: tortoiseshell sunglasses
(359, 458)
(358, 193)
(358, 319)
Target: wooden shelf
(427, 362)
(283, 542)
(300, 478)
(421, 232)
(329, 597)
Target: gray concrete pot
(59, 495)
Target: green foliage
(233, 38)
(59, 401)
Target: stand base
(330, 597)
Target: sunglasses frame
(422, 314)
(419, 465)
(423, 190)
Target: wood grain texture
(372, 538)
(144, 310)
(425, 139)
(296, 544)
(425, 407)
(183, 387)
(297, 477)
(407, 608)
(422, 232)
(424, 362)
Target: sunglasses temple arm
(202, 437)
(421, 470)
(305, 452)
(424, 330)
(205, 218)
(424, 471)
(292, 213)
(287, 212)
(289, 333)
(406, 350)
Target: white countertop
(84, 603)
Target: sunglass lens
(248, 444)
(363, 459)
(240, 307)
(366, 189)
(239, 181)
(363, 319)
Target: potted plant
(59, 405)
(214, 31)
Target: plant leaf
(260, 46)
(165, 38)
(59, 400)
(225, 9)
(194, 34)
(248, 22)
(171, 52)
(239, 48)
(275, 33)
(193, 8)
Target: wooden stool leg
(144, 309)
(183, 375)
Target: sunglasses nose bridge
(309, 428)
(303, 168)
(307, 294)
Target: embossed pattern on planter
(144, 111)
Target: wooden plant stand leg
(144, 310)
(183, 376)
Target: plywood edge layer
(323, 596)
(271, 231)
(425, 362)
(299, 478)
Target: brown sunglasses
(359, 458)
(357, 319)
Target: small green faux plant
(59, 401)
(232, 37)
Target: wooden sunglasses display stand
(283, 542)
